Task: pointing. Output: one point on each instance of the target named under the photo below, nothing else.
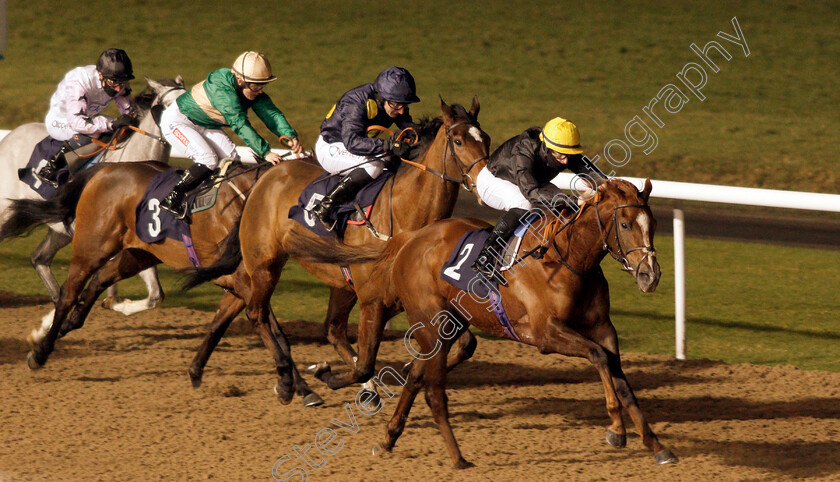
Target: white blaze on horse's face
(648, 273)
(476, 133)
(644, 223)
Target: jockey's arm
(77, 118)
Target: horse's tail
(330, 251)
(27, 214)
(229, 260)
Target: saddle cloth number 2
(452, 271)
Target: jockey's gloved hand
(553, 208)
(401, 149)
(124, 120)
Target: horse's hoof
(463, 464)
(313, 400)
(666, 457)
(380, 449)
(616, 440)
(285, 396)
(30, 340)
(109, 302)
(195, 379)
(407, 368)
(33, 361)
(372, 398)
(320, 370)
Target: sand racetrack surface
(114, 403)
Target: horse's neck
(420, 197)
(141, 147)
(580, 244)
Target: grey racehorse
(15, 151)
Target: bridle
(621, 254)
(162, 98)
(465, 180)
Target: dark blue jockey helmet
(397, 85)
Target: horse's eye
(624, 225)
(458, 142)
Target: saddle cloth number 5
(307, 210)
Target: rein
(162, 101)
(111, 145)
(621, 256)
(466, 180)
(554, 228)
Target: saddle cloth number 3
(154, 226)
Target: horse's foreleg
(439, 404)
(335, 323)
(77, 277)
(263, 281)
(414, 382)
(130, 307)
(371, 323)
(569, 343)
(229, 307)
(460, 353)
(310, 398)
(609, 341)
(125, 264)
(43, 256)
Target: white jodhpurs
(202, 145)
(498, 193)
(334, 157)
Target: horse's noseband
(621, 256)
(466, 180)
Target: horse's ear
(475, 108)
(646, 192)
(446, 112)
(155, 85)
(179, 80)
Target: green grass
(746, 302)
(769, 120)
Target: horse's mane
(428, 127)
(143, 100)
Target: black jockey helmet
(114, 64)
(397, 85)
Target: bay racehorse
(451, 144)
(107, 246)
(15, 151)
(559, 304)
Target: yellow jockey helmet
(562, 136)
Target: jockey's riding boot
(493, 249)
(173, 203)
(49, 173)
(344, 191)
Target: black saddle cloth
(153, 223)
(458, 271)
(318, 189)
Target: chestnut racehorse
(560, 304)
(453, 144)
(107, 248)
